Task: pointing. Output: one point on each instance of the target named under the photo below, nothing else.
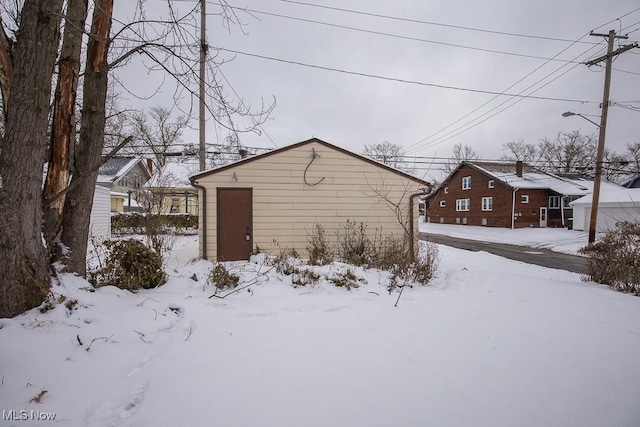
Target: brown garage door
(235, 223)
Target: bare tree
(230, 151)
(173, 50)
(632, 155)
(63, 127)
(29, 45)
(157, 133)
(522, 151)
(461, 153)
(568, 152)
(28, 59)
(390, 154)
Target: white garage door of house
(609, 216)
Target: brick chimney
(150, 165)
(519, 168)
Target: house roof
(117, 167)
(627, 196)
(300, 144)
(633, 183)
(172, 175)
(532, 178)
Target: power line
(513, 103)
(393, 79)
(499, 105)
(418, 21)
(381, 33)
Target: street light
(569, 114)
(597, 179)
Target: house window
(524, 198)
(554, 202)
(462, 205)
(175, 203)
(137, 182)
(466, 183)
(442, 203)
(568, 199)
(124, 182)
(446, 190)
(487, 203)
(492, 183)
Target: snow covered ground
(555, 239)
(491, 342)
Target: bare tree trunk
(24, 266)
(77, 207)
(64, 122)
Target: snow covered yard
(491, 342)
(555, 239)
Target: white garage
(100, 220)
(614, 206)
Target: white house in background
(614, 206)
(124, 176)
(100, 220)
(171, 190)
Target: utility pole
(603, 122)
(204, 47)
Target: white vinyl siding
(462, 205)
(487, 203)
(100, 218)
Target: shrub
(354, 247)
(305, 277)
(391, 252)
(320, 252)
(221, 278)
(615, 259)
(129, 265)
(286, 262)
(136, 223)
(346, 279)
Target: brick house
(505, 195)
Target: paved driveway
(538, 256)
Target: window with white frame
(446, 190)
(442, 203)
(524, 198)
(554, 202)
(492, 183)
(487, 203)
(462, 205)
(466, 183)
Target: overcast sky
(450, 47)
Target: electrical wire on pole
(608, 58)
(204, 47)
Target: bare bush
(346, 279)
(221, 278)
(354, 247)
(305, 277)
(320, 252)
(615, 259)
